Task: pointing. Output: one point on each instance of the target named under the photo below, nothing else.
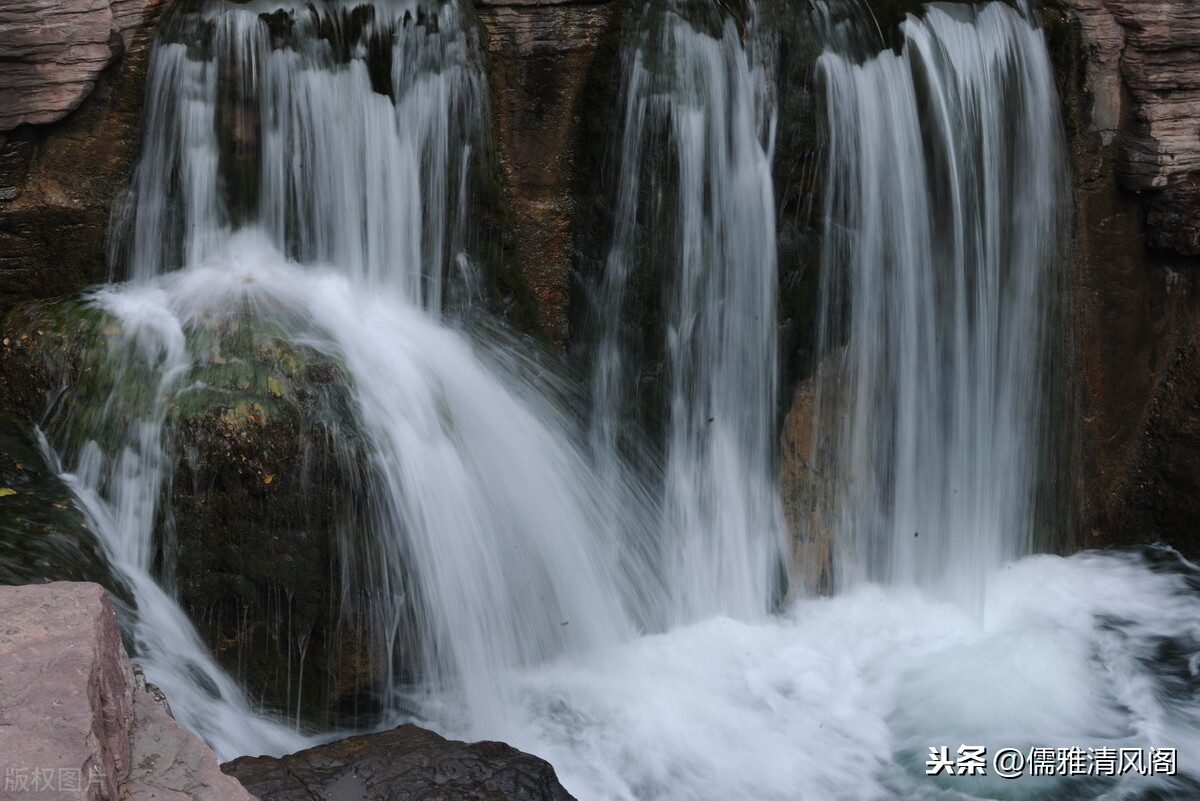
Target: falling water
(945, 179)
(344, 130)
(308, 168)
(690, 82)
(305, 167)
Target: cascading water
(696, 150)
(345, 131)
(259, 197)
(943, 213)
(341, 135)
(944, 236)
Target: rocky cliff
(1130, 79)
(71, 88)
(55, 51)
(1143, 75)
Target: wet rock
(258, 527)
(405, 763)
(75, 721)
(1133, 301)
(1162, 492)
(809, 497)
(60, 175)
(43, 535)
(265, 508)
(540, 61)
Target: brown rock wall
(1127, 77)
(1143, 66)
(540, 58)
(58, 181)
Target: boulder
(258, 524)
(404, 763)
(76, 721)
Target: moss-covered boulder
(262, 512)
(263, 491)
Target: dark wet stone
(43, 536)
(407, 762)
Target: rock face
(809, 498)
(55, 50)
(405, 763)
(43, 536)
(74, 719)
(1143, 66)
(1131, 86)
(541, 58)
(58, 180)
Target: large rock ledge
(75, 720)
(78, 721)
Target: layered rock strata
(72, 79)
(1130, 79)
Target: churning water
(619, 628)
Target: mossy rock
(260, 525)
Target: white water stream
(540, 613)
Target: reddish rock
(64, 689)
(74, 722)
(809, 499)
(54, 51)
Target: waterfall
(345, 131)
(305, 173)
(694, 159)
(943, 223)
(304, 191)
